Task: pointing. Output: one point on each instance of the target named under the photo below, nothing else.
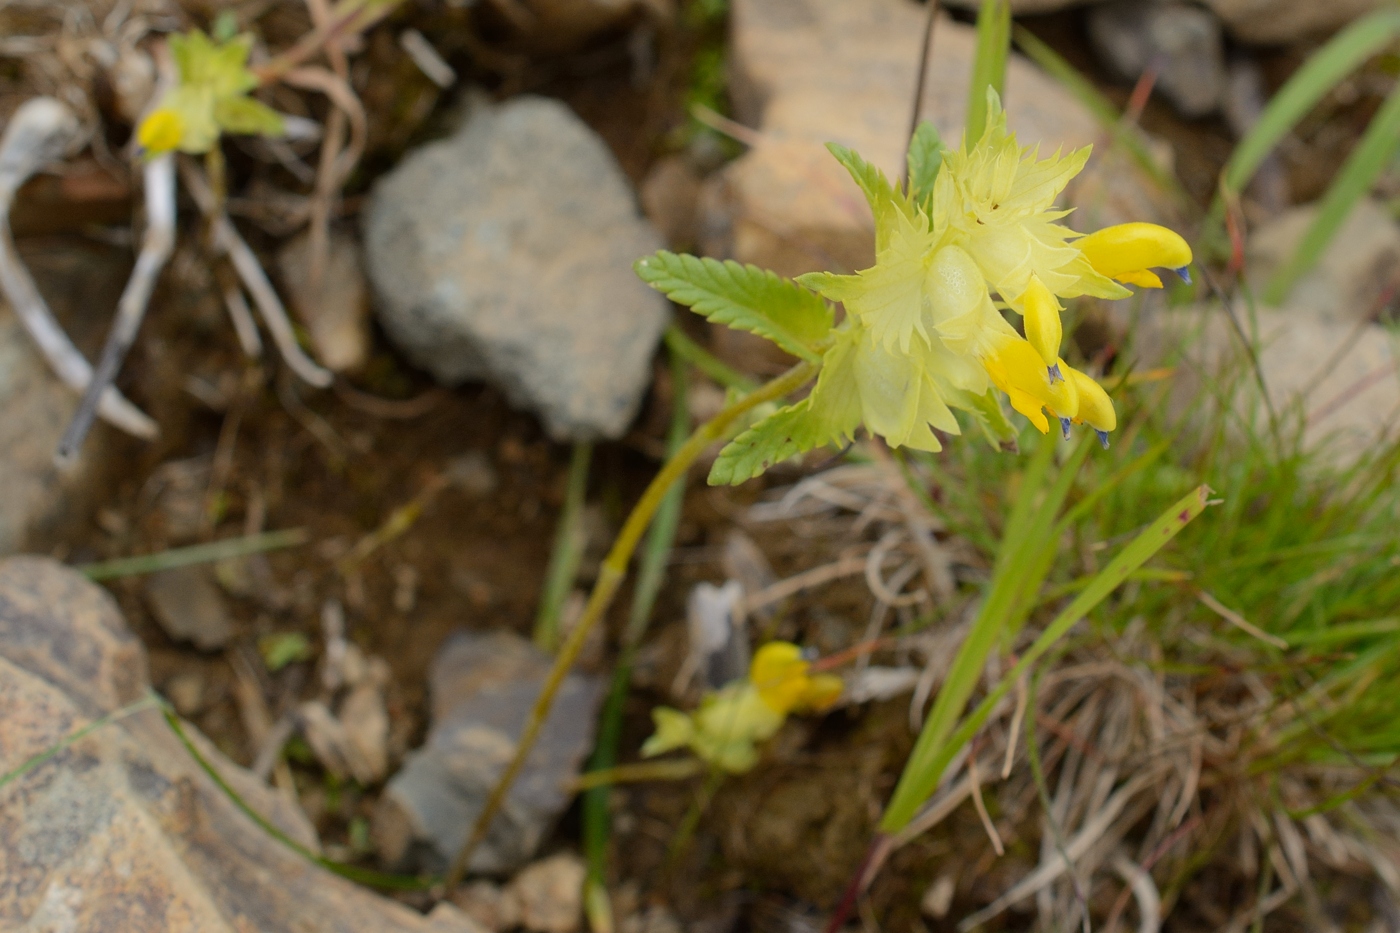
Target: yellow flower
(209, 98)
(725, 730)
(1127, 251)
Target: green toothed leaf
(925, 159)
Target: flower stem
(610, 577)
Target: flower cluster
(923, 332)
(723, 732)
(211, 97)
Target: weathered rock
(806, 72)
(81, 284)
(123, 830)
(483, 687)
(1284, 21)
(1359, 265)
(336, 311)
(1182, 42)
(187, 604)
(505, 253)
(549, 894)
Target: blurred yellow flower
(729, 723)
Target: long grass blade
(568, 550)
(989, 65)
(194, 554)
(1367, 160)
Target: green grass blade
(568, 551)
(927, 763)
(1324, 70)
(597, 819)
(989, 65)
(224, 549)
(1367, 160)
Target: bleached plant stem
(157, 243)
(250, 271)
(39, 132)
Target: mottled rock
(123, 830)
(806, 72)
(505, 253)
(1359, 265)
(187, 604)
(483, 687)
(549, 894)
(1183, 43)
(1284, 21)
(335, 310)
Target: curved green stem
(613, 572)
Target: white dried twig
(156, 246)
(255, 280)
(40, 131)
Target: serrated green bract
(986, 410)
(784, 434)
(248, 117)
(925, 159)
(744, 298)
(885, 201)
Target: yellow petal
(1043, 327)
(161, 131)
(1095, 407)
(779, 672)
(1122, 250)
(1142, 278)
(1018, 370)
(821, 691)
(674, 729)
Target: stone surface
(559, 25)
(1183, 43)
(548, 894)
(1284, 21)
(123, 830)
(669, 196)
(187, 604)
(1359, 265)
(482, 689)
(336, 311)
(806, 72)
(505, 253)
(81, 284)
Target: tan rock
(1361, 263)
(810, 71)
(335, 312)
(549, 894)
(1282, 21)
(122, 830)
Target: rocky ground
(363, 689)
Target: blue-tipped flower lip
(1064, 427)
(1185, 273)
(1055, 374)
(1103, 438)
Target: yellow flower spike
(1018, 370)
(1095, 407)
(821, 692)
(161, 131)
(1127, 251)
(1043, 327)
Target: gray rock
(505, 253)
(483, 687)
(1284, 21)
(123, 830)
(336, 311)
(187, 604)
(1182, 42)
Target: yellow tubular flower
(1127, 251)
(1043, 327)
(161, 131)
(779, 673)
(1018, 370)
(1095, 407)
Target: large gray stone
(806, 72)
(483, 687)
(1182, 42)
(505, 253)
(123, 830)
